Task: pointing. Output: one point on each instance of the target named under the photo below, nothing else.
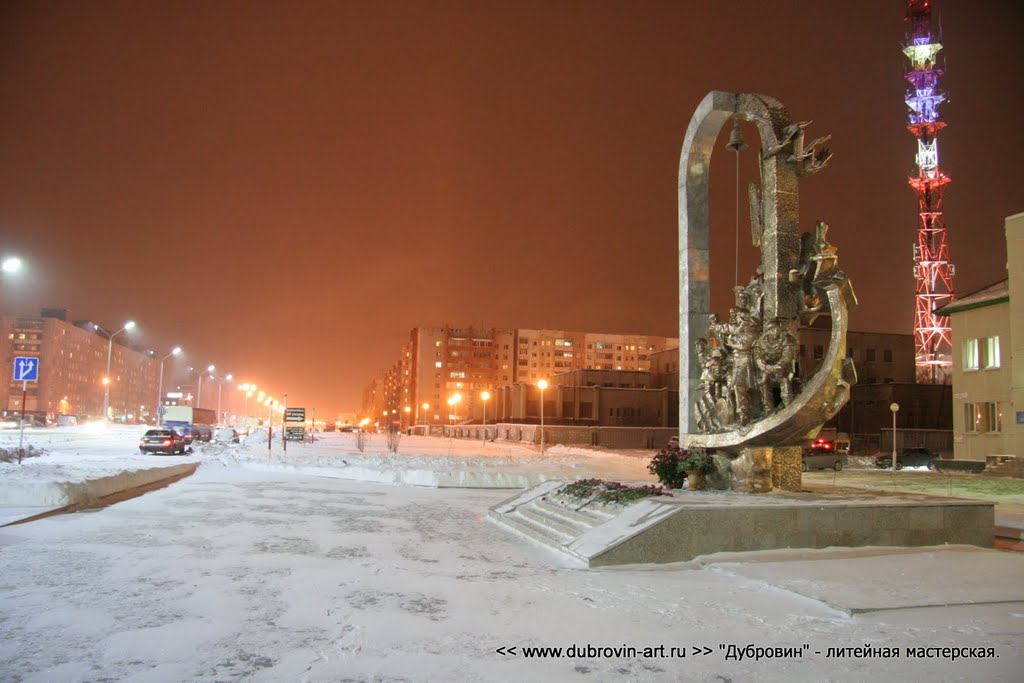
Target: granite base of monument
(686, 525)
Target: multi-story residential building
(439, 363)
(72, 366)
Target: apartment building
(72, 365)
(439, 363)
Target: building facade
(587, 397)
(72, 366)
(988, 379)
(441, 363)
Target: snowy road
(233, 574)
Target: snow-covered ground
(268, 566)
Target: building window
(887, 356)
(869, 355)
(990, 352)
(970, 418)
(849, 352)
(819, 352)
(994, 417)
(970, 355)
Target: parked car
(821, 458)
(67, 420)
(226, 435)
(909, 457)
(162, 441)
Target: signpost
(26, 369)
(295, 433)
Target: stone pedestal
(752, 470)
(759, 470)
(786, 466)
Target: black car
(162, 441)
(909, 457)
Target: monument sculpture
(740, 398)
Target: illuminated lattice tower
(932, 269)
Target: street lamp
(11, 264)
(407, 410)
(199, 391)
(895, 408)
(484, 396)
(426, 418)
(160, 387)
(542, 384)
(452, 402)
(220, 383)
(110, 349)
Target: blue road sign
(26, 369)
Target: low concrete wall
(654, 438)
(695, 531)
(62, 494)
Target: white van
(67, 421)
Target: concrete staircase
(550, 519)
(1009, 467)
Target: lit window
(970, 351)
(970, 418)
(437, 364)
(991, 352)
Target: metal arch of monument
(738, 395)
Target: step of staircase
(1013, 467)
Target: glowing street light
(11, 265)
(220, 383)
(199, 392)
(453, 400)
(542, 385)
(484, 396)
(110, 348)
(160, 387)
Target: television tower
(932, 269)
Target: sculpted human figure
(775, 356)
(743, 334)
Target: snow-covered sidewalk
(90, 461)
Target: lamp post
(199, 391)
(426, 418)
(542, 384)
(110, 350)
(452, 402)
(220, 382)
(160, 387)
(895, 408)
(407, 410)
(270, 423)
(484, 396)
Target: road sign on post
(26, 369)
(294, 414)
(295, 433)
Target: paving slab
(878, 579)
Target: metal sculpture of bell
(736, 142)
